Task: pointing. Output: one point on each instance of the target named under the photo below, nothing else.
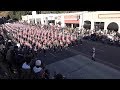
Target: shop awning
(72, 21)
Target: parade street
(106, 54)
(77, 63)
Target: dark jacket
(10, 56)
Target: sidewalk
(81, 67)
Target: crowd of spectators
(110, 37)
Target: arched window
(113, 26)
(87, 24)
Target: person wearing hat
(8, 44)
(37, 70)
(26, 64)
(18, 45)
(10, 57)
(26, 69)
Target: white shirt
(93, 55)
(36, 70)
(25, 66)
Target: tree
(8, 17)
(18, 14)
(11, 14)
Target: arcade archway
(87, 24)
(113, 26)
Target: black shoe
(93, 59)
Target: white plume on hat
(38, 63)
(93, 48)
(9, 40)
(18, 44)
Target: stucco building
(96, 19)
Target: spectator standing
(37, 70)
(26, 70)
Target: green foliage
(18, 14)
(8, 17)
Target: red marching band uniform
(27, 34)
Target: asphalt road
(105, 54)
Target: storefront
(71, 21)
(101, 19)
(97, 20)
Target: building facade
(96, 20)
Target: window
(38, 12)
(68, 25)
(51, 21)
(99, 25)
(113, 26)
(75, 25)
